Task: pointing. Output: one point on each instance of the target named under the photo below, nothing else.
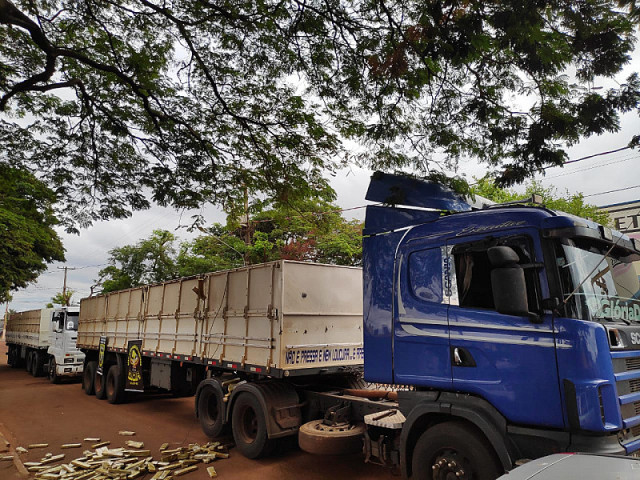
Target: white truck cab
(65, 359)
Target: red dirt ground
(32, 410)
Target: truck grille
(626, 366)
(633, 363)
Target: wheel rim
(450, 465)
(52, 369)
(248, 425)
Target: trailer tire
(249, 427)
(456, 450)
(36, 368)
(315, 437)
(99, 384)
(210, 411)
(11, 356)
(52, 370)
(88, 377)
(29, 360)
(114, 385)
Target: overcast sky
(88, 252)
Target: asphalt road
(32, 410)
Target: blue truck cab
(517, 329)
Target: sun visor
(412, 192)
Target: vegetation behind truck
(514, 327)
(45, 342)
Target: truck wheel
(99, 383)
(249, 427)
(11, 356)
(210, 412)
(114, 385)
(29, 361)
(88, 376)
(36, 368)
(53, 374)
(454, 450)
(316, 437)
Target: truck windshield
(72, 321)
(599, 286)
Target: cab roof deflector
(394, 189)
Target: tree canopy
(572, 203)
(309, 230)
(111, 100)
(27, 238)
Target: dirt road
(32, 410)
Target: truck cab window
(58, 320)
(473, 272)
(425, 277)
(72, 321)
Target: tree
(312, 230)
(28, 240)
(61, 298)
(572, 203)
(151, 260)
(189, 100)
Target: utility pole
(247, 235)
(64, 285)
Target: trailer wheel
(454, 450)
(11, 356)
(88, 377)
(53, 374)
(114, 386)
(249, 427)
(29, 360)
(36, 368)
(99, 383)
(315, 437)
(210, 412)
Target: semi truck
(44, 341)
(513, 330)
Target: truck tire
(29, 361)
(114, 385)
(88, 377)
(99, 383)
(36, 368)
(315, 437)
(249, 427)
(454, 450)
(53, 374)
(11, 356)
(210, 411)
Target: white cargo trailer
(264, 347)
(277, 319)
(45, 341)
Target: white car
(577, 466)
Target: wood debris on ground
(104, 463)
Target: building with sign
(625, 217)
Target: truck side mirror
(508, 283)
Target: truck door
(421, 330)
(508, 360)
(57, 333)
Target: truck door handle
(461, 357)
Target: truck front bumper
(70, 369)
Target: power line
(613, 191)
(632, 157)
